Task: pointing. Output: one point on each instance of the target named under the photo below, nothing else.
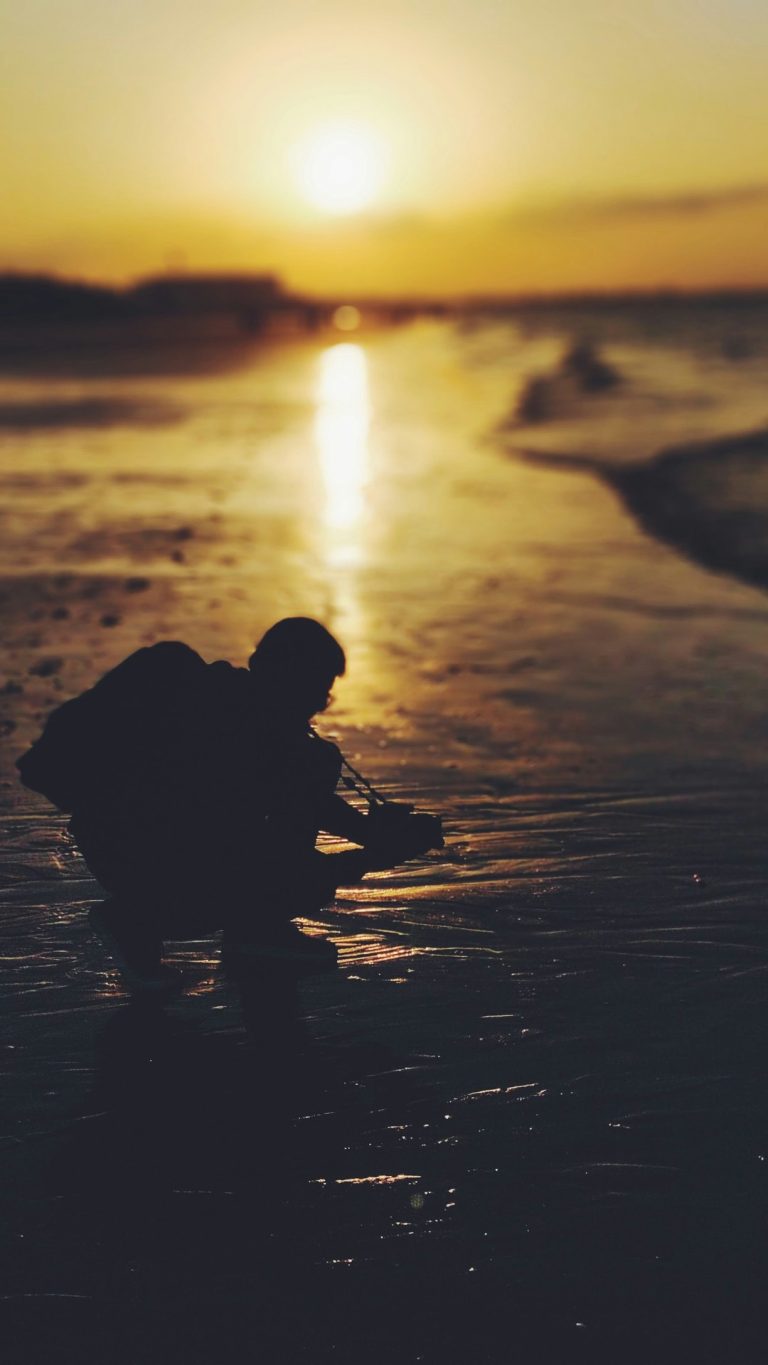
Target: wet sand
(527, 1118)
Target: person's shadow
(188, 1108)
(196, 1188)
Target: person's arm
(348, 868)
(389, 835)
(338, 817)
(380, 853)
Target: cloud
(617, 208)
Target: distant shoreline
(246, 304)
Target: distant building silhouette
(250, 298)
(43, 298)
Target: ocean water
(527, 1117)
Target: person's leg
(134, 944)
(259, 932)
(127, 922)
(159, 890)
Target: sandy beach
(527, 1118)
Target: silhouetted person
(199, 795)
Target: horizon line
(476, 298)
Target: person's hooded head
(295, 665)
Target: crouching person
(197, 792)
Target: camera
(398, 832)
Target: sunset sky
(435, 146)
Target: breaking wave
(707, 499)
(581, 371)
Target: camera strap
(356, 782)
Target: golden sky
(510, 144)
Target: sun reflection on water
(341, 433)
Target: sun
(340, 167)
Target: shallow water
(527, 1118)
